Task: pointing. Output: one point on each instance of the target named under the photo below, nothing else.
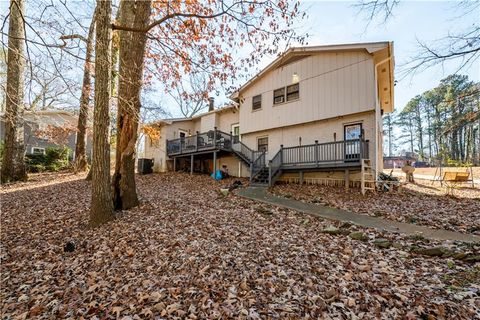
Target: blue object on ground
(217, 175)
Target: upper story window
(288, 93)
(257, 102)
(293, 92)
(279, 96)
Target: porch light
(295, 78)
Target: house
(312, 115)
(49, 128)
(397, 161)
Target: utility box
(145, 166)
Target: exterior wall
(236, 168)
(157, 150)
(208, 122)
(227, 119)
(331, 84)
(323, 131)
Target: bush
(54, 159)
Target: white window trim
(183, 131)
(268, 142)
(39, 148)
(234, 125)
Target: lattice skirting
(335, 182)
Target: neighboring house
(397, 161)
(301, 118)
(49, 128)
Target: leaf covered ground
(419, 203)
(189, 252)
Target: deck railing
(258, 163)
(317, 155)
(274, 166)
(329, 153)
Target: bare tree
(134, 14)
(463, 47)
(13, 166)
(191, 95)
(81, 164)
(101, 209)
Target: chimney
(211, 107)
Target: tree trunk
(13, 163)
(81, 164)
(102, 207)
(132, 51)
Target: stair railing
(274, 166)
(257, 164)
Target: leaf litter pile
(189, 252)
(420, 204)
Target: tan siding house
(323, 104)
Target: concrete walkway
(261, 195)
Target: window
(279, 96)
(352, 147)
(288, 93)
(352, 131)
(236, 133)
(262, 144)
(257, 102)
(36, 150)
(293, 92)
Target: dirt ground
(433, 170)
(189, 252)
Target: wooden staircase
(261, 179)
(367, 176)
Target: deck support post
(174, 164)
(269, 173)
(301, 177)
(361, 139)
(196, 140)
(214, 162)
(215, 137)
(191, 164)
(347, 179)
(281, 154)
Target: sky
(333, 22)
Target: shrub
(54, 159)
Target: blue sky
(333, 22)
(339, 22)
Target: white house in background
(313, 114)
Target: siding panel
(331, 84)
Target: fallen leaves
(187, 253)
(419, 203)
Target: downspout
(378, 112)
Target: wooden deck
(335, 155)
